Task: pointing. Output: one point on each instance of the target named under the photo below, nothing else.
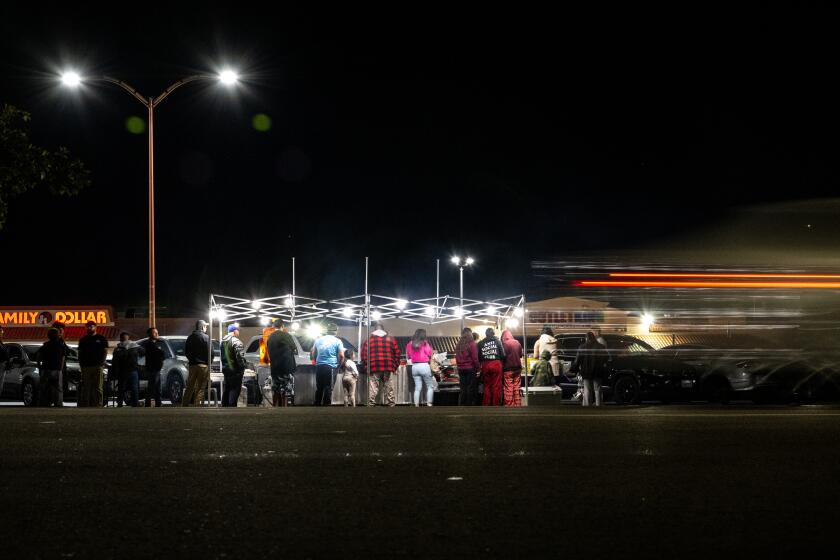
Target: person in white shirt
(349, 378)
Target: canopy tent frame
(366, 308)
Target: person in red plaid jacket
(384, 355)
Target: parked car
(761, 375)
(174, 373)
(634, 370)
(21, 380)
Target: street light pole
(462, 298)
(150, 103)
(461, 265)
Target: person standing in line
(328, 353)
(126, 357)
(65, 379)
(491, 354)
(589, 363)
(51, 361)
(265, 359)
(233, 366)
(512, 369)
(420, 352)
(350, 374)
(280, 352)
(93, 351)
(197, 352)
(546, 341)
(542, 374)
(469, 368)
(381, 359)
(153, 349)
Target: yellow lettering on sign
(100, 318)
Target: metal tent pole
(525, 346)
(367, 318)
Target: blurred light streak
(705, 284)
(707, 275)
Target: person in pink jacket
(512, 369)
(420, 352)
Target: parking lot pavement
(430, 482)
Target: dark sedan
(634, 370)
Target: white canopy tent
(365, 309)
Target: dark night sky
(406, 137)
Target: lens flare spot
(261, 122)
(135, 125)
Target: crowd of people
(494, 362)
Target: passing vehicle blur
(761, 375)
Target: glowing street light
(256, 305)
(72, 79)
(400, 303)
(228, 77)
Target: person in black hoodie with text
(491, 354)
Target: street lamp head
(71, 79)
(456, 261)
(470, 260)
(228, 77)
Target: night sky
(406, 137)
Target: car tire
(29, 393)
(626, 390)
(717, 390)
(175, 386)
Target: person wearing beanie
(281, 350)
(233, 365)
(328, 353)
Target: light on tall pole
(73, 79)
(461, 264)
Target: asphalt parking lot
(431, 482)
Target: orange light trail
(705, 284)
(706, 275)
